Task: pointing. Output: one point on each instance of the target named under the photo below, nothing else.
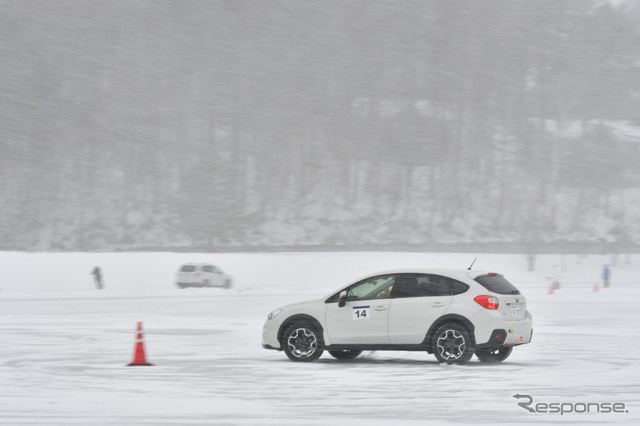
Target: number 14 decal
(361, 312)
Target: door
(363, 319)
(417, 300)
(358, 322)
(212, 276)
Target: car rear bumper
(519, 333)
(498, 332)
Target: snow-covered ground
(64, 345)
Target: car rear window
(188, 268)
(497, 284)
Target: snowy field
(64, 345)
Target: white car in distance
(452, 314)
(202, 275)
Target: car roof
(459, 274)
(198, 265)
(450, 272)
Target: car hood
(297, 304)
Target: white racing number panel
(361, 312)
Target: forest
(295, 125)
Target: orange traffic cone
(139, 357)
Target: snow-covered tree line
(226, 125)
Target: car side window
(459, 287)
(207, 268)
(413, 285)
(448, 286)
(372, 288)
(420, 285)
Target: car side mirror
(342, 300)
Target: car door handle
(437, 304)
(379, 308)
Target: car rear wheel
(227, 284)
(301, 342)
(345, 354)
(494, 354)
(452, 344)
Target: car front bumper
(270, 335)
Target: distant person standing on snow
(97, 275)
(606, 274)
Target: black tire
(345, 354)
(452, 344)
(227, 284)
(302, 342)
(494, 354)
(206, 283)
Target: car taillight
(487, 302)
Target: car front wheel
(494, 354)
(302, 343)
(452, 344)
(345, 354)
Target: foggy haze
(229, 125)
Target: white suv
(450, 313)
(202, 275)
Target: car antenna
(474, 261)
